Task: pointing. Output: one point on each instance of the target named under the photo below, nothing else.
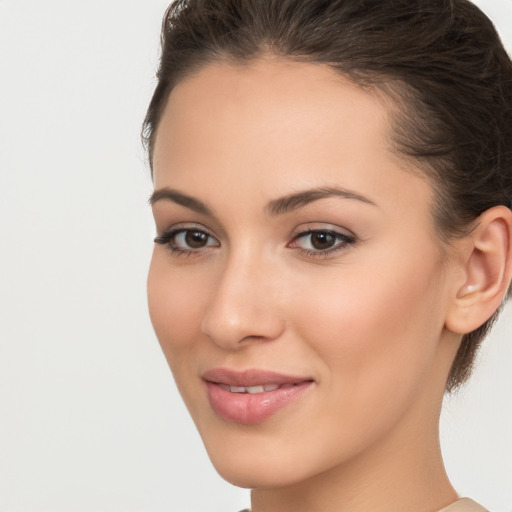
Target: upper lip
(250, 377)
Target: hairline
(395, 94)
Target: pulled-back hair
(440, 61)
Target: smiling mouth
(254, 389)
(252, 396)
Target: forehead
(271, 125)
(269, 102)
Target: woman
(332, 199)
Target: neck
(401, 473)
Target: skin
(368, 322)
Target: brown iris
(322, 240)
(196, 239)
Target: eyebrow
(169, 194)
(275, 207)
(298, 200)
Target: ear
(486, 260)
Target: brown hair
(440, 61)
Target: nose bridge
(242, 307)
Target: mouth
(252, 396)
(254, 389)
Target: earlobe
(487, 262)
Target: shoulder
(464, 505)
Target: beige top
(462, 505)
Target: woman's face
(298, 291)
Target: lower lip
(249, 408)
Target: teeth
(255, 389)
(237, 389)
(250, 389)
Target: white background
(89, 417)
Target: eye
(187, 240)
(193, 239)
(321, 242)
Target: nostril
(245, 327)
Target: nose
(243, 306)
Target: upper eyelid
(178, 230)
(185, 226)
(296, 233)
(319, 227)
(216, 230)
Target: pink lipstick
(251, 396)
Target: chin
(247, 466)
(255, 462)
(255, 474)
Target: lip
(249, 408)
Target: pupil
(322, 240)
(196, 239)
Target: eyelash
(343, 241)
(168, 238)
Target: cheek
(375, 324)
(176, 302)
